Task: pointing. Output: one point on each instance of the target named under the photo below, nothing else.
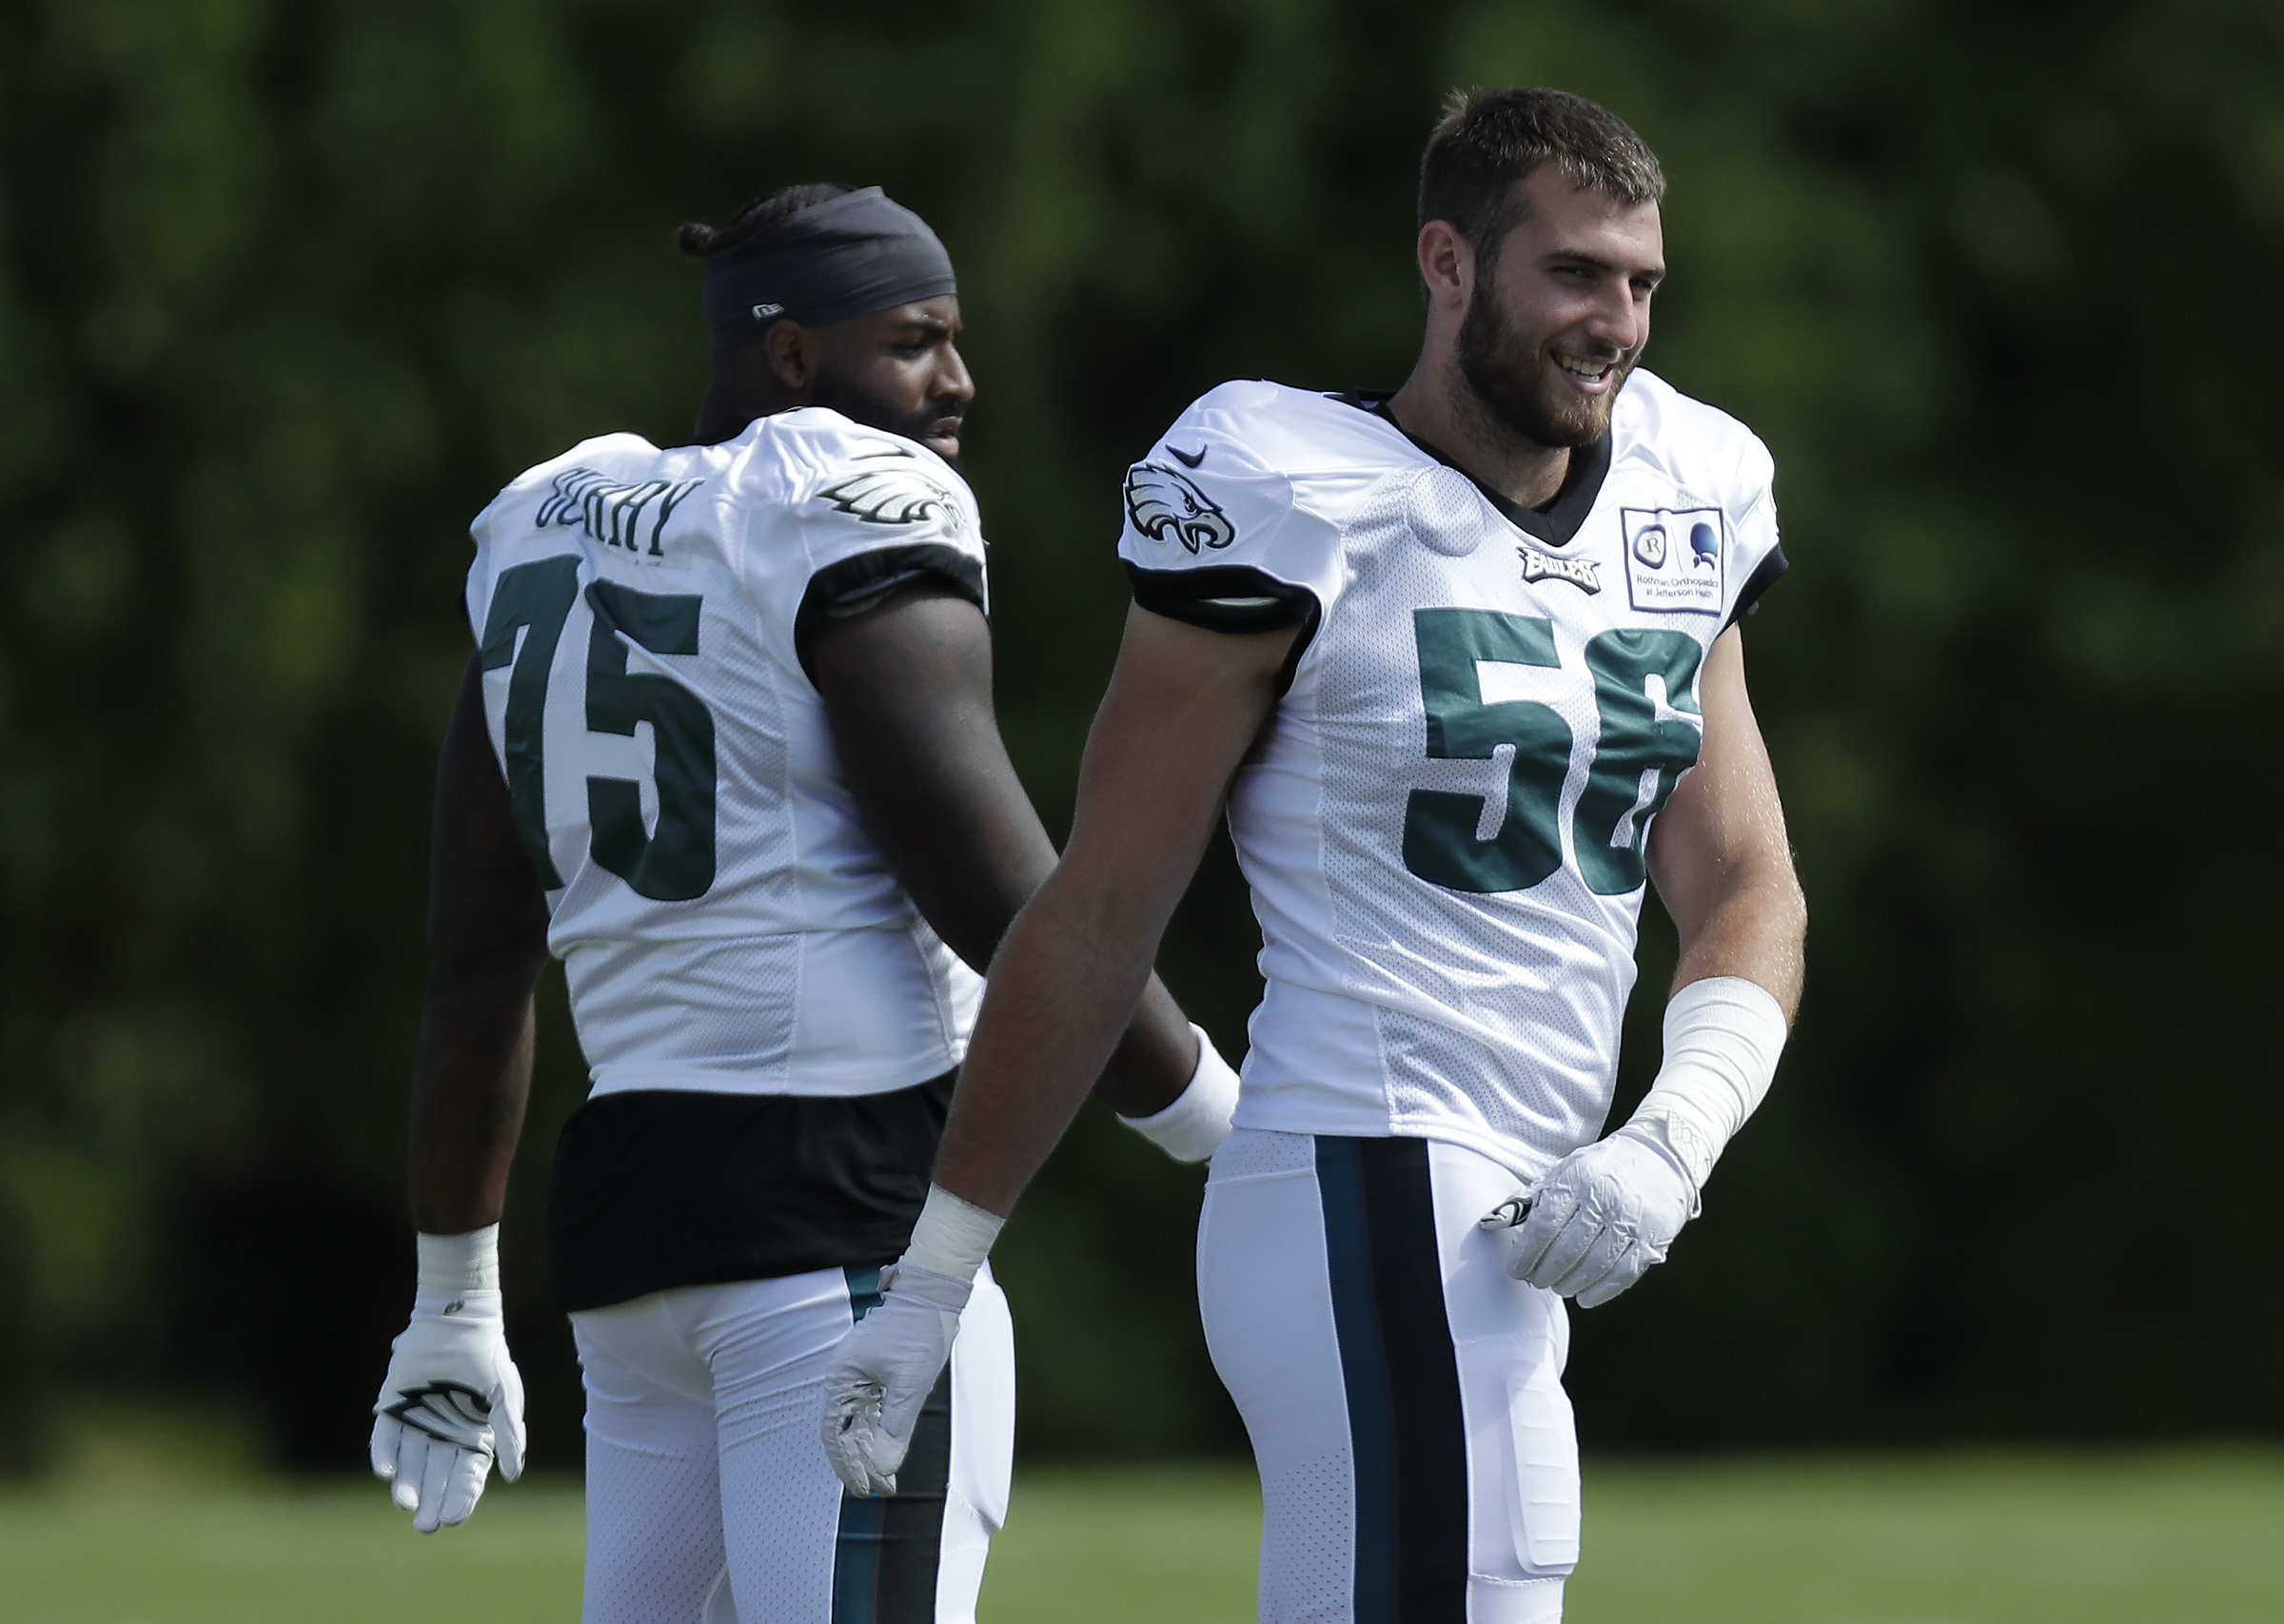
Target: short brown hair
(1489, 141)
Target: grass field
(2091, 1539)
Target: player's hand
(1599, 1219)
(883, 1372)
(451, 1403)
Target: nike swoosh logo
(1189, 459)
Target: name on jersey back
(616, 514)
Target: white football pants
(709, 1501)
(1418, 1461)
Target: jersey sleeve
(1217, 538)
(866, 514)
(1759, 550)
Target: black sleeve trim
(1759, 583)
(1234, 598)
(851, 587)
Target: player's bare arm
(1183, 707)
(1718, 853)
(487, 943)
(908, 689)
(1723, 867)
(1184, 704)
(452, 1399)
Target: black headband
(847, 257)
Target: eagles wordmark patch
(1163, 502)
(897, 495)
(1580, 573)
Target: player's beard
(860, 404)
(1508, 371)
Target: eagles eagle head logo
(1163, 502)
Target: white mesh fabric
(702, 1457)
(1495, 1026)
(1307, 1540)
(780, 1503)
(1264, 1298)
(1251, 1153)
(701, 1426)
(653, 1534)
(1441, 505)
(699, 976)
(1409, 1001)
(1437, 1083)
(654, 1502)
(703, 1034)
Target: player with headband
(726, 747)
(1465, 665)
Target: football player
(1463, 697)
(726, 747)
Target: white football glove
(1608, 1210)
(883, 1372)
(1600, 1217)
(452, 1399)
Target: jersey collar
(1559, 519)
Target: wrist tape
(952, 1236)
(1193, 1127)
(460, 1263)
(1723, 1037)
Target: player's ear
(792, 352)
(1446, 263)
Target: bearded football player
(1464, 664)
(726, 747)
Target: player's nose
(953, 381)
(1620, 319)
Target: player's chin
(1575, 417)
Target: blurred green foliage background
(289, 287)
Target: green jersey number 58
(1643, 748)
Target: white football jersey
(724, 922)
(1443, 826)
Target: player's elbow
(1781, 907)
(1771, 892)
(1092, 908)
(1789, 901)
